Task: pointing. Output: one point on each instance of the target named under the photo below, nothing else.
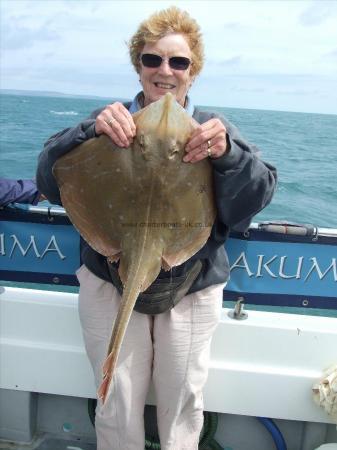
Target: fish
(142, 206)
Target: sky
(260, 54)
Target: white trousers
(172, 348)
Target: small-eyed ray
(142, 205)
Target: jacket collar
(137, 104)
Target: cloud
(224, 66)
(298, 92)
(332, 54)
(249, 89)
(318, 13)
(16, 36)
(233, 61)
(235, 26)
(254, 49)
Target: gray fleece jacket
(243, 185)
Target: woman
(171, 348)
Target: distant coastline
(55, 94)
(33, 93)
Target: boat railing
(277, 226)
(275, 263)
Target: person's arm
(244, 184)
(57, 146)
(19, 191)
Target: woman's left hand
(208, 140)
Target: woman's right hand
(116, 122)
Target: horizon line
(97, 97)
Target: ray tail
(143, 270)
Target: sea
(302, 146)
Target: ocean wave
(64, 113)
(305, 156)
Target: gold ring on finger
(209, 151)
(112, 120)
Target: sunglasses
(175, 62)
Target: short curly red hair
(162, 23)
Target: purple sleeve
(19, 191)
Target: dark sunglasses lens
(175, 62)
(179, 62)
(150, 60)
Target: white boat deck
(263, 366)
(49, 442)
